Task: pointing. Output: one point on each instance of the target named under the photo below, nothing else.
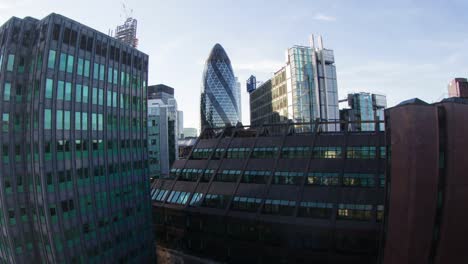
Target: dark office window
(260, 177)
(248, 204)
(228, 175)
(56, 32)
(279, 207)
(216, 201)
(359, 179)
(287, 177)
(315, 209)
(361, 152)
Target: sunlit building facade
(364, 110)
(310, 92)
(219, 104)
(74, 178)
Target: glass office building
(219, 104)
(365, 109)
(311, 90)
(74, 182)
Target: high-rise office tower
(310, 91)
(74, 180)
(458, 87)
(127, 32)
(365, 108)
(163, 129)
(219, 104)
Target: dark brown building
(426, 207)
(271, 195)
(458, 87)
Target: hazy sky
(402, 49)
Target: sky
(402, 49)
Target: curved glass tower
(219, 104)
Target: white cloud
(323, 17)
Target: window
(196, 199)
(78, 93)
(47, 119)
(361, 152)
(94, 121)
(101, 72)
(219, 153)
(201, 153)
(159, 195)
(101, 97)
(315, 209)
(287, 177)
(7, 91)
(109, 98)
(63, 62)
(382, 180)
(59, 119)
(358, 179)
(238, 153)
(190, 174)
(67, 91)
(248, 204)
(78, 120)
(295, 152)
(207, 175)
(51, 60)
(66, 122)
(383, 152)
(279, 207)
(228, 175)
(70, 64)
(5, 122)
(95, 95)
(79, 69)
(327, 152)
(85, 94)
(264, 152)
(10, 62)
(177, 197)
(354, 211)
(109, 75)
(216, 201)
(322, 178)
(84, 122)
(96, 71)
(260, 177)
(49, 88)
(380, 213)
(86, 68)
(60, 90)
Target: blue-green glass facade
(219, 104)
(74, 176)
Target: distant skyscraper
(163, 129)
(219, 104)
(458, 87)
(127, 32)
(307, 88)
(74, 180)
(364, 107)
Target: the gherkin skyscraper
(219, 106)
